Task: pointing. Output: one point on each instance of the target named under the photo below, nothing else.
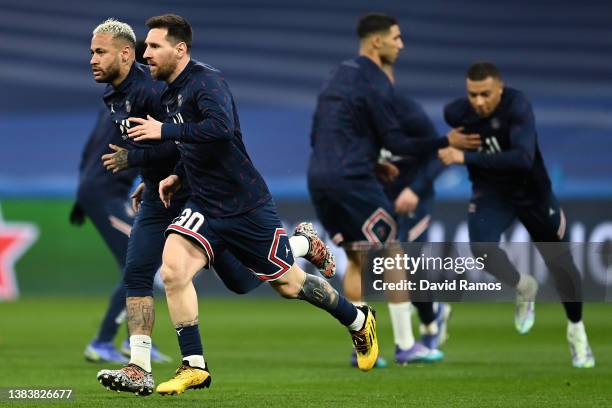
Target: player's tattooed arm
(140, 314)
(188, 323)
(116, 161)
(319, 292)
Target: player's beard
(482, 112)
(110, 75)
(165, 71)
(388, 59)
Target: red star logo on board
(15, 239)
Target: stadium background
(275, 55)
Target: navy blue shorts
(257, 238)
(146, 244)
(490, 214)
(356, 218)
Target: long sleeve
(521, 154)
(416, 124)
(179, 170)
(387, 125)
(216, 106)
(152, 154)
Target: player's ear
(125, 54)
(181, 49)
(376, 41)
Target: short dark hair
(482, 70)
(178, 28)
(374, 23)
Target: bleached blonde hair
(118, 29)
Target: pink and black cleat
(318, 253)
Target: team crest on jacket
(495, 123)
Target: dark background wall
(275, 55)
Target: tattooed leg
(181, 325)
(140, 315)
(297, 284)
(317, 291)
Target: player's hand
(137, 197)
(406, 202)
(450, 155)
(463, 141)
(147, 129)
(77, 215)
(386, 171)
(167, 188)
(116, 161)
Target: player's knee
(173, 276)
(288, 290)
(289, 285)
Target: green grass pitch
(276, 353)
